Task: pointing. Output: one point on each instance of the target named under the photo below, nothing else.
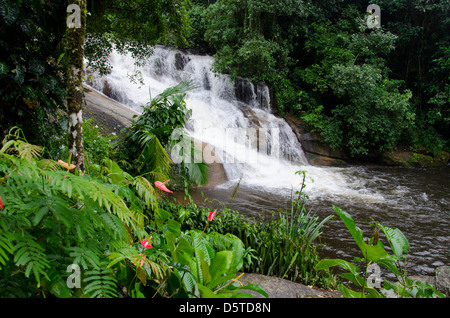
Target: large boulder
(440, 281)
(443, 280)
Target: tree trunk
(76, 31)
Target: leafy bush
(283, 245)
(373, 252)
(51, 218)
(145, 142)
(96, 146)
(32, 71)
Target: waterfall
(233, 117)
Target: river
(260, 149)
(414, 200)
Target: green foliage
(202, 264)
(357, 107)
(146, 140)
(96, 146)
(374, 252)
(52, 218)
(32, 87)
(100, 283)
(283, 245)
(134, 26)
(363, 90)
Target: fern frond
(115, 226)
(30, 253)
(124, 252)
(197, 173)
(15, 142)
(6, 248)
(153, 156)
(101, 283)
(102, 194)
(174, 93)
(145, 191)
(83, 256)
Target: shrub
(373, 252)
(283, 245)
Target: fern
(53, 218)
(6, 248)
(145, 191)
(32, 255)
(83, 256)
(115, 226)
(15, 143)
(100, 283)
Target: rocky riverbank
(321, 154)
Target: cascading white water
(234, 118)
(221, 108)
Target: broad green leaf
(348, 293)
(161, 216)
(242, 295)
(355, 279)
(172, 233)
(397, 240)
(183, 251)
(238, 250)
(327, 263)
(349, 222)
(256, 288)
(372, 253)
(220, 265)
(205, 292)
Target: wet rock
(181, 61)
(443, 280)
(317, 152)
(282, 288)
(408, 158)
(316, 160)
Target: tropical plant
(283, 244)
(374, 252)
(96, 146)
(32, 74)
(146, 140)
(51, 218)
(201, 264)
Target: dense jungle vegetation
(363, 90)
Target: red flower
(211, 215)
(146, 244)
(162, 186)
(1, 204)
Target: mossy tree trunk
(75, 54)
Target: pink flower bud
(211, 215)
(162, 186)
